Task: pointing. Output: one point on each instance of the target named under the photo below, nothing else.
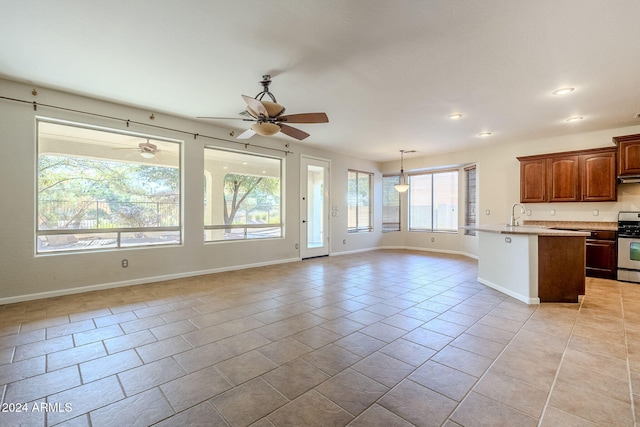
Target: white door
(314, 207)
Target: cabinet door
(563, 182)
(533, 181)
(629, 153)
(601, 258)
(598, 175)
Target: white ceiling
(387, 73)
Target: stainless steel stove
(629, 246)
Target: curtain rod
(128, 122)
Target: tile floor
(383, 338)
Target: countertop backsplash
(575, 225)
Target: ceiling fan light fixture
(147, 154)
(265, 128)
(455, 116)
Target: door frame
(326, 249)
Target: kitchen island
(531, 263)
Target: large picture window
(99, 188)
(390, 204)
(359, 203)
(243, 196)
(433, 201)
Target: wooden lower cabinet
(561, 268)
(602, 255)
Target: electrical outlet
(125, 263)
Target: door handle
(304, 221)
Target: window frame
(358, 228)
(471, 198)
(247, 227)
(117, 231)
(432, 173)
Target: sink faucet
(513, 221)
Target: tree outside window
(242, 196)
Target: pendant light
(402, 186)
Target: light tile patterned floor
(382, 338)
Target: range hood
(629, 179)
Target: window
(470, 198)
(99, 188)
(242, 198)
(359, 206)
(390, 204)
(433, 201)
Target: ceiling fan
(148, 150)
(145, 149)
(268, 116)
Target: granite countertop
(526, 229)
(575, 225)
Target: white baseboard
(524, 298)
(133, 282)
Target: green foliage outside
(255, 195)
(76, 192)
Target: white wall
(24, 275)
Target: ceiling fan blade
(247, 134)
(225, 118)
(305, 118)
(255, 105)
(293, 132)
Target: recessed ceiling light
(483, 134)
(563, 91)
(455, 116)
(574, 119)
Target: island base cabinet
(561, 268)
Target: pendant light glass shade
(402, 186)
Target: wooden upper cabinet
(628, 154)
(597, 170)
(576, 176)
(533, 179)
(563, 182)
